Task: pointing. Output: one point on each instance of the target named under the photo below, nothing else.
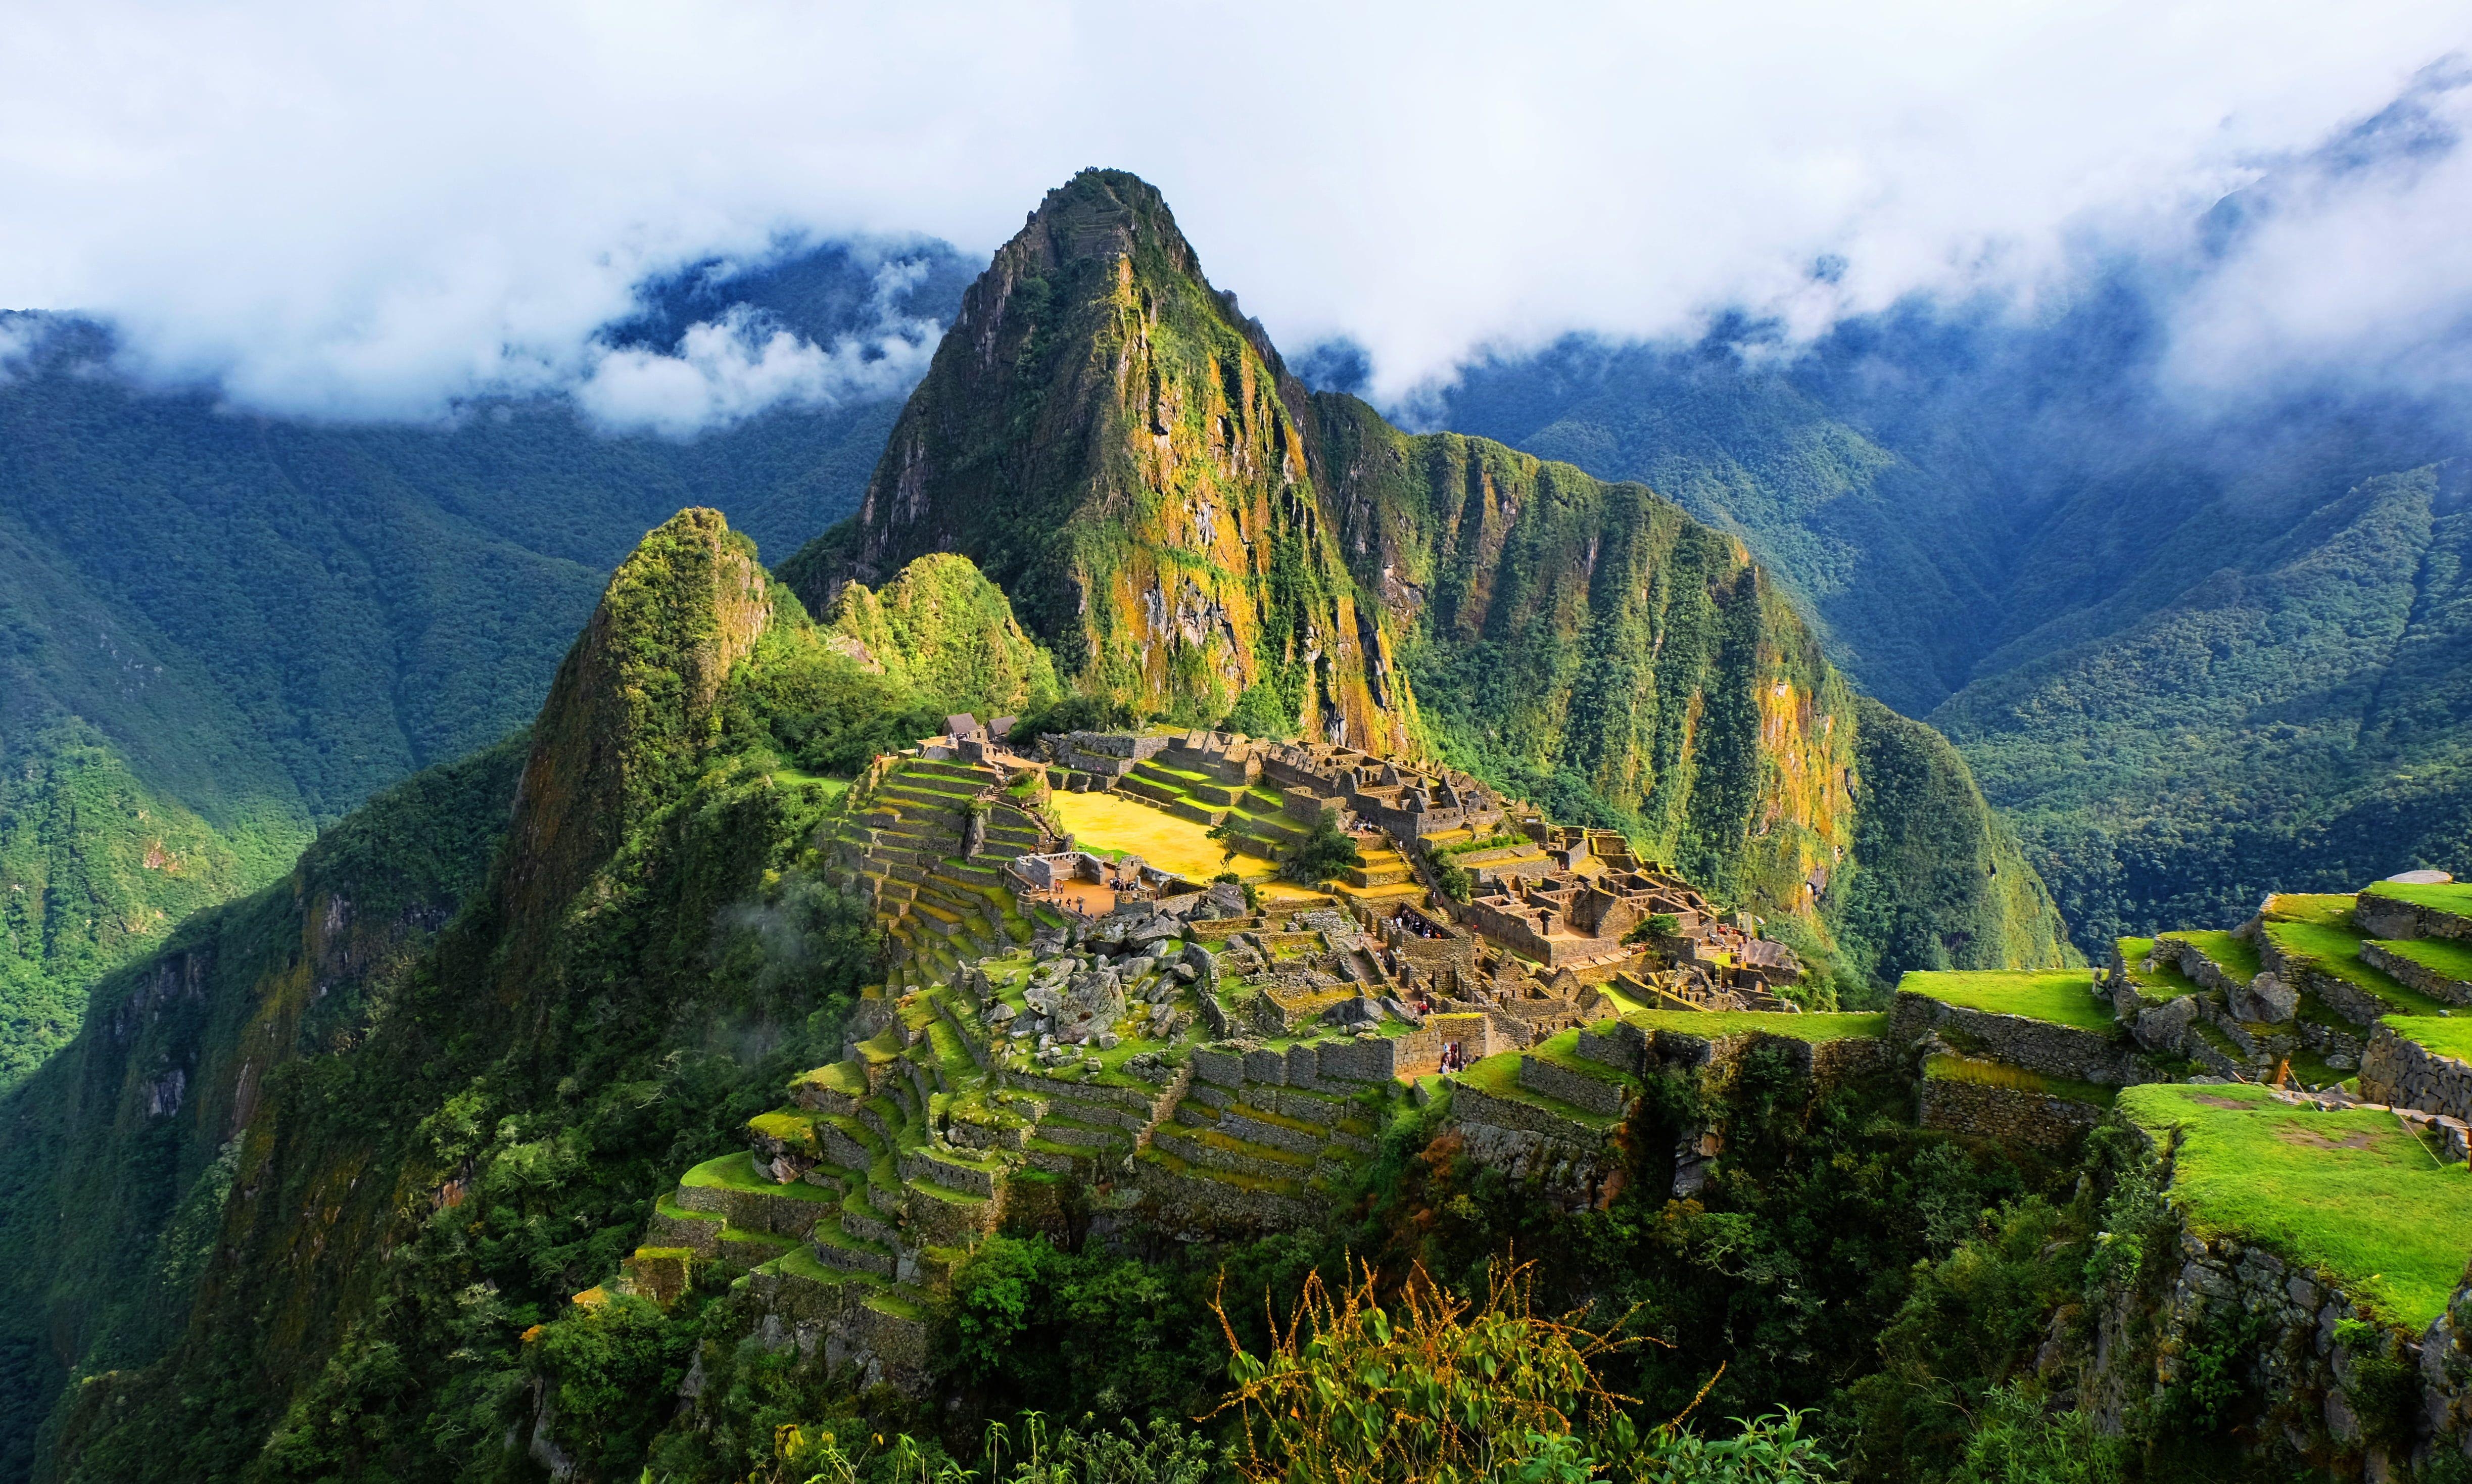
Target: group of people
(1454, 1058)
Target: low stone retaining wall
(2420, 975)
(1601, 1095)
(1471, 1105)
(2404, 1073)
(2387, 917)
(886, 1348)
(2006, 1114)
(2038, 1046)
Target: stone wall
(2420, 975)
(2006, 1114)
(2052, 1050)
(884, 1347)
(2386, 917)
(2308, 1373)
(2404, 1073)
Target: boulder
(2266, 998)
(2161, 1027)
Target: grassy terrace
(2062, 996)
(2347, 1191)
(737, 1172)
(1989, 1074)
(2448, 957)
(2328, 910)
(2163, 982)
(1733, 1023)
(1499, 1077)
(2235, 957)
(2447, 1036)
(2450, 896)
(2336, 951)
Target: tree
(1320, 855)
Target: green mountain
(1199, 536)
(2189, 655)
(220, 632)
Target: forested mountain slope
(2190, 648)
(220, 632)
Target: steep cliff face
(632, 704)
(1106, 437)
(121, 1151)
(1598, 649)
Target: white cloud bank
(373, 212)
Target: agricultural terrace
(2453, 897)
(2449, 957)
(1951, 1068)
(2064, 996)
(1712, 1023)
(2336, 951)
(2161, 982)
(2236, 956)
(2347, 1191)
(2445, 1035)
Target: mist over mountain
(2021, 531)
(222, 630)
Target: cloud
(730, 369)
(355, 212)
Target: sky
(379, 212)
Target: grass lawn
(2336, 951)
(1731, 1022)
(737, 1172)
(2063, 998)
(2347, 1192)
(2330, 909)
(2446, 1035)
(2163, 982)
(1121, 824)
(2235, 957)
(1969, 1068)
(2447, 897)
(2444, 955)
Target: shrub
(1324, 852)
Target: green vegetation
(2451, 958)
(2320, 1188)
(1990, 1073)
(2237, 956)
(2447, 1035)
(1325, 852)
(943, 630)
(2336, 951)
(2164, 981)
(1806, 1027)
(2453, 897)
(2064, 998)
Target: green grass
(2163, 982)
(1728, 1022)
(2347, 1192)
(738, 1172)
(2336, 951)
(2330, 910)
(1989, 1074)
(844, 1077)
(2453, 897)
(2447, 956)
(2235, 957)
(2063, 998)
(1499, 1076)
(2446, 1035)
(1562, 1049)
